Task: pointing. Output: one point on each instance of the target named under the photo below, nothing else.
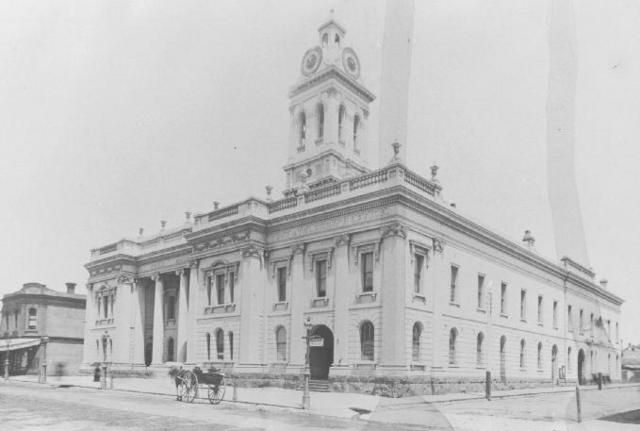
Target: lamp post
(44, 341)
(306, 398)
(6, 361)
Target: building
(35, 320)
(631, 363)
(394, 281)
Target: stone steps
(318, 386)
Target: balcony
(319, 302)
(220, 309)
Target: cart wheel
(216, 393)
(190, 385)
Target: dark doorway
(148, 352)
(320, 354)
(581, 380)
(503, 359)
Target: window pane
(232, 286)
(367, 272)
(220, 288)
(321, 278)
(282, 284)
(454, 279)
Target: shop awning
(18, 343)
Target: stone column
(137, 323)
(88, 351)
(158, 321)
(342, 297)
(183, 313)
(194, 306)
(299, 298)
(250, 305)
(393, 253)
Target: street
(28, 406)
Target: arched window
(366, 341)
(320, 114)
(302, 128)
(453, 335)
(281, 344)
(104, 349)
(539, 355)
(479, 349)
(208, 347)
(415, 344)
(32, 324)
(569, 359)
(325, 39)
(220, 344)
(336, 39)
(523, 345)
(171, 308)
(341, 117)
(170, 349)
(356, 128)
(230, 345)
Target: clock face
(350, 62)
(311, 61)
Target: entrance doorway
(320, 352)
(581, 367)
(503, 359)
(554, 363)
(148, 352)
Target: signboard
(316, 341)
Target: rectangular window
(321, 278)
(555, 314)
(367, 271)
(232, 287)
(33, 319)
(523, 304)
(503, 298)
(209, 287)
(540, 309)
(480, 291)
(220, 288)
(581, 321)
(454, 281)
(282, 284)
(591, 323)
(417, 273)
(609, 328)
(569, 318)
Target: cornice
(339, 75)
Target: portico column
(158, 321)
(394, 258)
(250, 304)
(193, 311)
(136, 353)
(299, 298)
(182, 315)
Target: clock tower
(329, 108)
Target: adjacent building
(39, 322)
(394, 281)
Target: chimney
(528, 240)
(603, 283)
(71, 288)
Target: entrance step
(318, 386)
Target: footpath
(333, 404)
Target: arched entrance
(581, 380)
(148, 352)
(320, 352)
(554, 363)
(503, 359)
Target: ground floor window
(366, 341)
(281, 344)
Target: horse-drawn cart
(188, 385)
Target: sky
(115, 115)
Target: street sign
(316, 342)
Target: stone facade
(395, 284)
(35, 312)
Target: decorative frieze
(223, 241)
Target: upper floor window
(336, 39)
(32, 324)
(454, 281)
(342, 112)
(591, 323)
(325, 39)
(171, 308)
(209, 288)
(356, 131)
(232, 287)
(540, 309)
(418, 262)
(302, 128)
(230, 345)
(367, 271)
(480, 291)
(321, 278)
(569, 318)
(105, 304)
(282, 284)
(503, 298)
(320, 114)
(15, 318)
(366, 341)
(581, 321)
(523, 304)
(555, 314)
(609, 328)
(220, 288)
